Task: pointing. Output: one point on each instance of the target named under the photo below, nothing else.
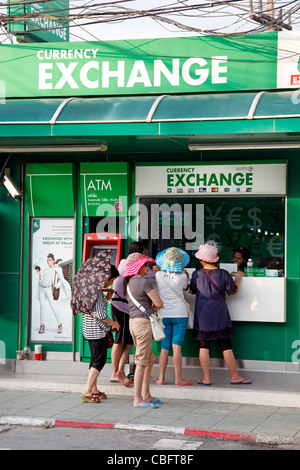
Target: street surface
(110, 440)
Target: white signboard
(288, 67)
(246, 179)
(52, 262)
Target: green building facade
(95, 133)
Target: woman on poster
(51, 278)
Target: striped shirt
(93, 324)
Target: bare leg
(146, 383)
(119, 357)
(205, 364)
(124, 357)
(91, 384)
(163, 362)
(230, 362)
(177, 361)
(116, 354)
(138, 384)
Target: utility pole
(268, 20)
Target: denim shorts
(175, 329)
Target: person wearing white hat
(172, 280)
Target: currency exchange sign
(48, 23)
(154, 66)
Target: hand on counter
(238, 277)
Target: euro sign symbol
(234, 218)
(275, 246)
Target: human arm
(187, 279)
(193, 284)
(113, 323)
(157, 303)
(99, 313)
(238, 278)
(232, 286)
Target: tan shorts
(141, 332)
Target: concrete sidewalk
(262, 412)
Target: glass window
(252, 222)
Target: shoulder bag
(157, 325)
(55, 290)
(189, 309)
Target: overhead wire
(84, 14)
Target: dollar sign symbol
(257, 222)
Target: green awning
(150, 109)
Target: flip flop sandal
(156, 401)
(148, 405)
(159, 383)
(200, 382)
(101, 395)
(186, 382)
(242, 382)
(89, 399)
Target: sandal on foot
(100, 395)
(242, 382)
(42, 328)
(186, 382)
(156, 401)
(159, 383)
(89, 399)
(200, 382)
(147, 405)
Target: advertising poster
(52, 252)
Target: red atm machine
(95, 242)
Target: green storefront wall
(150, 126)
(9, 273)
(251, 341)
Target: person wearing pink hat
(120, 313)
(143, 301)
(212, 320)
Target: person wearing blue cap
(172, 280)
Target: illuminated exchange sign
(141, 67)
(213, 180)
(166, 65)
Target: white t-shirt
(173, 306)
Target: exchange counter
(259, 299)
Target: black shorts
(123, 335)
(98, 349)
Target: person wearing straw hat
(143, 300)
(172, 280)
(212, 320)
